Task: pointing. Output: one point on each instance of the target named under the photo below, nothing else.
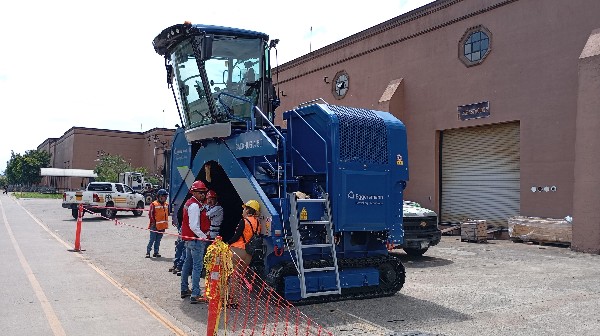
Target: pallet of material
(473, 231)
(540, 230)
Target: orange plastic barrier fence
(247, 304)
(240, 301)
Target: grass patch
(18, 194)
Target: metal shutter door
(480, 174)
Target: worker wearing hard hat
(214, 212)
(159, 222)
(195, 241)
(247, 227)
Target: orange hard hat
(198, 186)
(211, 193)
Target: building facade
(499, 98)
(81, 148)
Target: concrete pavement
(456, 289)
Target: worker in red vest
(194, 228)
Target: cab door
(130, 194)
(120, 197)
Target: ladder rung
(320, 269)
(317, 245)
(323, 293)
(313, 222)
(311, 200)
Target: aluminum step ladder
(299, 246)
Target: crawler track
(391, 278)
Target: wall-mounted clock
(340, 84)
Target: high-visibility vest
(186, 232)
(161, 214)
(248, 232)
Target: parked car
(420, 229)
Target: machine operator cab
(220, 78)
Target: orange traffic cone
(77, 247)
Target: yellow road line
(158, 316)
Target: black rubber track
(391, 278)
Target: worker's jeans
(194, 255)
(179, 254)
(155, 238)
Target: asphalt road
(458, 288)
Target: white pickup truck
(106, 198)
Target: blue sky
(68, 63)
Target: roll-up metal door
(480, 174)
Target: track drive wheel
(391, 276)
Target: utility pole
(310, 41)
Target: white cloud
(68, 63)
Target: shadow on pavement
(396, 313)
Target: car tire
(138, 213)
(75, 213)
(415, 252)
(109, 213)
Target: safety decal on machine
(303, 214)
(399, 161)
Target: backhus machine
(330, 183)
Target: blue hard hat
(162, 192)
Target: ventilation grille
(363, 136)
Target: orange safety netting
(241, 303)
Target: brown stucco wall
(80, 147)
(529, 76)
(586, 196)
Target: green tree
(25, 169)
(3, 180)
(13, 168)
(109, 167)
(34, 160)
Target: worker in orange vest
(159, 222)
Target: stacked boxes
(473, 231)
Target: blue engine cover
(364, 153)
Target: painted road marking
(55, 324)
(158, 316)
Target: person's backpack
(255, 243)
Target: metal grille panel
(481, 174)
(363, 135)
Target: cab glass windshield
(230, 79)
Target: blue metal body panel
(364, 154)
(251, 144)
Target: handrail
(295, 111)
(285, 214)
